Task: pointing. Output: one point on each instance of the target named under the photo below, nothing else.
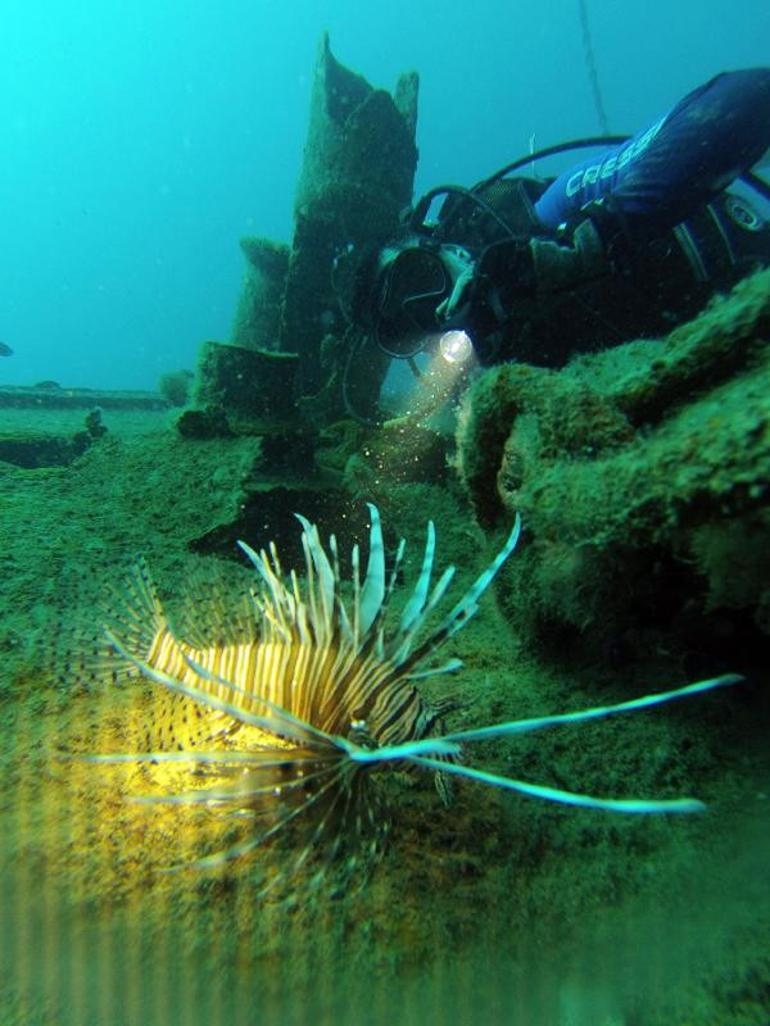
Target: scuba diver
(622, 245)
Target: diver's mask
(419, 287)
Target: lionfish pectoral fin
(407, 750)
(245, 788)
(422, 752)
(443, 706)
(287, 814)
(223, 758)
(552, 794)
(538, 723)
(216, 860)
(444, 788)
(451, 666)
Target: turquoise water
(141, 143)
(144, 139)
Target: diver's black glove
(520, 268)
(559, 267)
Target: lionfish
(322, 692)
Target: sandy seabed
(496, 910)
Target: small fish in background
(5, 349)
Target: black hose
(456, 190)
(551, 151)
(758, 184)
(355, 346)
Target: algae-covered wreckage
(640, 474)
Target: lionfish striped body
(293, 712)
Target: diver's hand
(458, 298)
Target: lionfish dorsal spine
(294, 601)
(401, 644)
(322, 596)
(395, 571)
(459, 615)
(416, 603)
(376, 635)
(373, 590)
(450, 666)
(342, 623)
(404, 657)
(355, 562)
(263, 568)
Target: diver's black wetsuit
(623, 245)
(653, 285)
(672, 234)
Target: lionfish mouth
(300, 703)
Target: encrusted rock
(641, 473)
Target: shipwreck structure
(289, 331)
